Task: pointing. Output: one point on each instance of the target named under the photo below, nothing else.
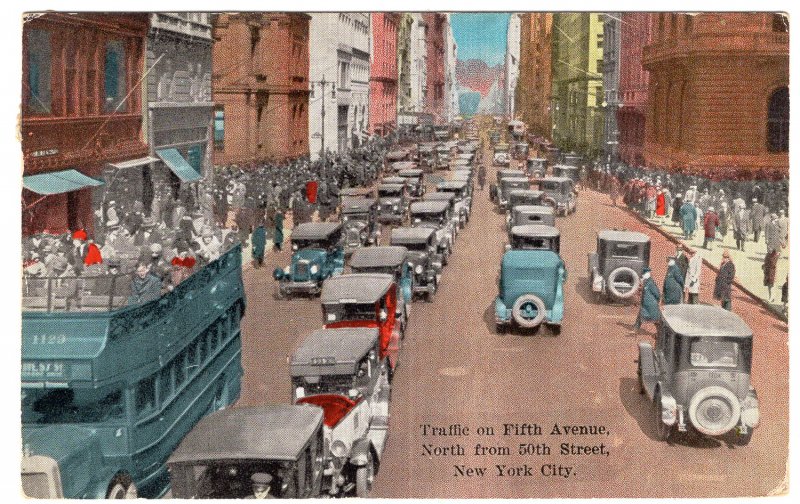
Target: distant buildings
(435, 23)
(633, 84)
(718, 94)
(532, 100)
(260, 86)
(450, 75)
(383, 73)
(512, 63)
(612, 26)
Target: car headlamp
(751, 416)
(287, 270)
(338, 448)
(295, 247)
(418, 269)
(314, 269)
(394, 207)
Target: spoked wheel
(364, 477)
(122, 487)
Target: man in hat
(681, 259)
(648, 308)
(262, 483)
(725, 276)
(259, 241)
(673, 283)
(710, 225)
(145, 286)
(691, 284)
(210, 247)
(77, 254)
(758, 213)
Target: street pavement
(454, 369)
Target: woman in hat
(648, 308)
(182, 264)
(673, 283)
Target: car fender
(669, 407)
(359, 453)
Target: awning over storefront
(59, 182)
(178, 165)
(133, 163)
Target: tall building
(718, 93)
(612, 25)
(383, 73)
(179, 108)
(404, 43)
(450, 75)
(512, 63)
(260, 86)
(340, 45)
(419, 62)
(435, 66)
(577, 82)
(81, 113)
(633, 83)
(532, 100)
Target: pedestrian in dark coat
(681, 259)
(648, 308)
(722, 286)
(677, 203)
(278, 236)
(145, 286)
(482, 176)
(259, 241)
(688, 219)
(758, 213)
(673, 283)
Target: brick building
(633, 84)
(260, 86)
(532, 97)
(435, 23)
(718, 92)
(81, 111)
(383, 73)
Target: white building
(419, 58)
(512, 63)
(450, 77)
(339, 46)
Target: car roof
(429, 206)
(391, 186)
(338, 349)
(526, 192)
(510, 172)
(411, 172)
(355, 203)
(272, 432)
(623, 236)
(401, 165)
(705, 320)
(393, 180)
(452, 184)
(439, 196)
(373, 257)
(535, 231)
(315, 230)
(516, 179)
(565, 167)
(355, 287)
(537, 209)
(355, 191)
(537, 159)
(531, 259)
(557, 179)
(410, 235)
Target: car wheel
(621, 289)
(389, 371)
(529, 311)
(639, 378)
(500, 328)
(364, 477)
(663, 431)
(122, 487)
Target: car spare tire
(529, 311)
(714, 410)
(618, 283)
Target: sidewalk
(748, 263)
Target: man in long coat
(648, 308)
(688, 219)
(278, 236)
(710, 225)
(741, 225)
(691, 284)
(722, 286)
(673, 283)
(259, 242)
(758, 213)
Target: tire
(555, 330)
(364, 477)
(389, 372)
(122, 487)
(634, 287)
(714, 411)
(500, 328)
(639, 378)
(663, 432)
(520, 312)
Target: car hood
(310, 255)
(389, 200)
(74, 447)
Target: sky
(481, 36)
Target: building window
(39, 69)
(778, 121)
(219, 127)
(115, 76)
(255, 37)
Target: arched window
(778, 121)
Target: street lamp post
(323, 83)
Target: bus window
(165, 383)
(179, 363)
(202, 342)
(40, 406)
(146, 395)
(191, 359)
(215, 336)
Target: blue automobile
(317, 254)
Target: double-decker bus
(110, 389)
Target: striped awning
(59, 182)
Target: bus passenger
(145, 286)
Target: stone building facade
(435, 23)
(633, 84)
(533, 95)
(383, 73)
(609, 144)
(512, 64)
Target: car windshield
(375, 269)
(387, 193)
(62, 406)
(309, 244)
(713, 353)
(416, 247)
(327, 384)
(527, 243)
(629, 250)
(350, 311)
(428, 219)
(356, 216)
(549, 186)
(231, 480)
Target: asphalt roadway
(455, 370)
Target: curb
(764, 304)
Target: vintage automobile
(534, 237)
(438, 216)
(398, 154)
(317, 254)
(536, 167)
(615, 269)
(426, 154)
(525, 197)
(508, 184)
(516, 129)
(423, 258)
(553, 154)
(218, 457)
(698, 374)
(389, 259)
(365, 300)
(519, 150)
(402, 165)
(441, 133)
(531, 290)
(560, 194)
(442, 157)
(414, 181)
(359, 220)
(570, 172)
(392, 201)
(464, 176)
(463, 199)
(357, 192)
(509, 172)
(502, 156)
(494, 137)
(339, 371)
(460, 164)
(530, 214)
(450, 199)
(469, 157)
